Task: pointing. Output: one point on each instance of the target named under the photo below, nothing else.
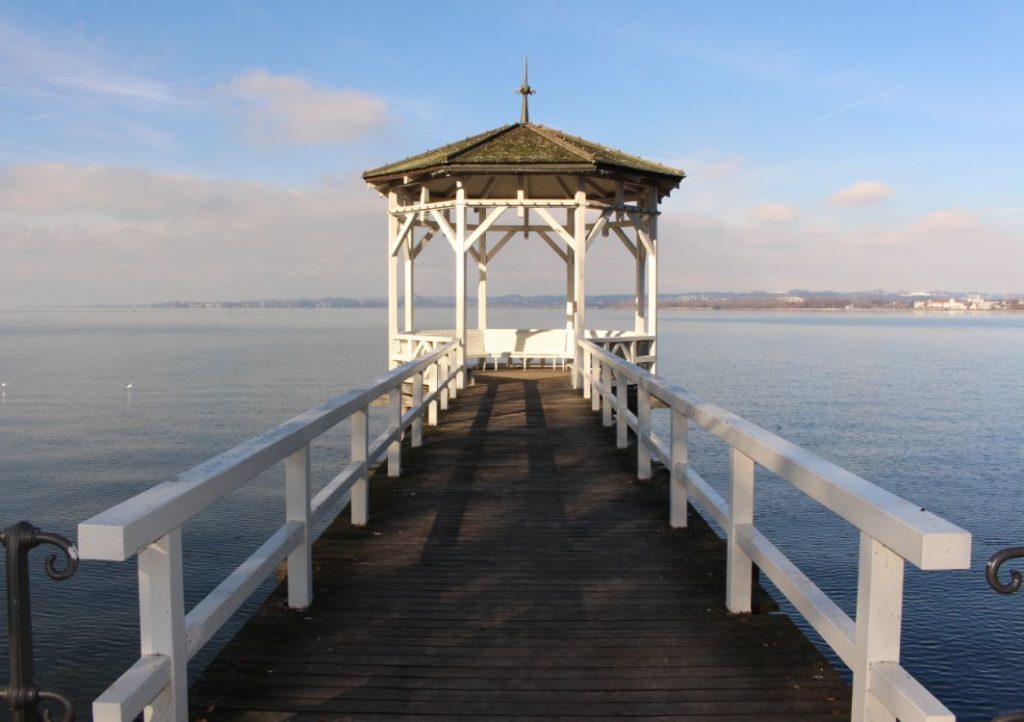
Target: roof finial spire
(526, 91)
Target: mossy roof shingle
(523, 146)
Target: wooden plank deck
(517, 569)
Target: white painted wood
(879, 618)
(588, 387)
(831, 622)
(417, 405)
(395, 426)
(557, 227)
(483, 226)
(443, 384)
(297, 509)
(336, 491)
(433, 392)
(125, 699)
(445, 227)
(652, 269)
(509, 235)
(915, 534)
(741, 511)
(402, 233)
(643, 432)
(358, 434)
(481, 285)
(621, 430)
(606, 395)
(677, 474)
(209, 615)
(630, 246)
(904, 696)
(392, 276)
(596, 227)
(639, 308)
(553, 245)
(410, 287)
(579, 276)
(162, 623)
(595, 378)
(460, 272)
(709, 500)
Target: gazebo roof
(523, 148)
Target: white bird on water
(128, 386)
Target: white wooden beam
(459, 246)
(652, 270)
(642, 234)
(410, 286)
(446, 229)
(557, 227)
(499, 245)
(596, 227)
(396, 242)
(392, 278)
(579, 247)
(481, 284)
(484, 225)
(630, 246)
(554, 246)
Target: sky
(213, 151)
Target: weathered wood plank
(518, 569)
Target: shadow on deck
(517, 569)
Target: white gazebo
(482, 192)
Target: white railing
(149, 526)
(525, 344)
(892, 530)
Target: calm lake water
(929, 406)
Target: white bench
(509, 344)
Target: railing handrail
(149, 525)
(892, 530)
(121, 531)
(920, 537)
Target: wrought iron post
(23, 695)
(992, 575)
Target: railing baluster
(595, 383)
(585, 372)
(300, 560)
(643, 432)
(417, 403)
(606, 394)
(621, 406)
(739, 568)
(360, 498)
(879, 617)
(431, 388)
(444, 383)
(394, 422)
(677, 475)
(162, 622)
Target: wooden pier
(517, 568)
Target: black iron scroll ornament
(992, 575)
(23, 695)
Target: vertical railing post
(443, 382)
(596, 371)
(460, 364)
(360, 499)
(585, 373)
(432, 372)
(606, 394)
(621, 406)
(453, 366)
(879, 617)
(417, 404)
(162, 622)
(677, 476)
(643, 433)
(300, 560)
(739, 568)
(394, 424)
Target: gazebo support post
(392, 277)
(481, 284)
(579, 287)
(460, 279)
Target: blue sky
(151, 152)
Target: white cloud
(290, 108)
(71, 62)
(775, 214)
(946, 222)
(101, 234)
(861, 193)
